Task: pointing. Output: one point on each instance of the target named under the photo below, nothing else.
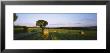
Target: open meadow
(55, 34)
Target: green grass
(64, 34)
(55, 34)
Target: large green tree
(41, 24)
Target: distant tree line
(75, 28)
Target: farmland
(56, 34)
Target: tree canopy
(41, 23)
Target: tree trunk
(42, 30)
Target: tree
(15, 16)
(41, 24)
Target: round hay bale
(45, 34)
(82, 33)
(54, 31)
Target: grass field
(55, 34)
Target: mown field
(54, 34)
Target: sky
(57, 19)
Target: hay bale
(54, 31)
(82, 33)
(45, 34)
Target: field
(55, 34)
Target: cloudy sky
(57, 19)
